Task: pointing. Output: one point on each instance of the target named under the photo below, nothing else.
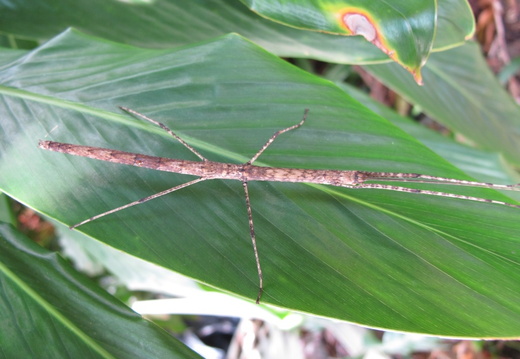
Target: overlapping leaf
(485, 166)
(170, 23)
(462, 93)
(51, 311)
(403, 30)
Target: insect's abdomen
(331, 177)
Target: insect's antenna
(167, 129)
(276, 134)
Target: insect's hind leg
(276, 134)
(431, 193)
(164, 127)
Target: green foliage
(50, 310)
(403, 30)
(390, 260)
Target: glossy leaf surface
(168, 23)
(403, 30)
(383, 259)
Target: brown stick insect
(206, 170)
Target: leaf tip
(359, 22)
(417, 76)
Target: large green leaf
(172, 22)
(51, 311)
(461, 92)
(403, 30)
(392, 260)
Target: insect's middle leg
(253, 241)
(276, 134)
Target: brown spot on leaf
(360, 25)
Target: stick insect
(206, 170)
